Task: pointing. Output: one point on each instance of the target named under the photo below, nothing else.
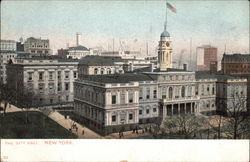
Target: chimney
(185, 67)
(78, 37)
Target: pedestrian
(136, 131)
(142, 131)
(76, 128)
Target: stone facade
(231, 93)
(50, 81)
(107, 107)
(7, 53)
(206, 90)
(37, 47)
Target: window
(183, 91)
(59, 75)
(40, 75)
(113, 118)
(66, 86)
(51, 100)
(41, 87)
(95, 71)
(109, 71)
(30, 76)
(213, 90)
(155, 93)
(189, 91)
(113, 99)
(148, 93)
(122, 116)
(154, 109)
(75, 74)
(66, 74)
(67, 98)
(208, 88)
(122, 98)
(130, 116)
(170, 92)
(131, 96)
(50, 75)
(140, 112)
(163, 92)
(102, 71)
(140, 94)
(59, 87)
(202, 89)
(51, 87)
(147, 111)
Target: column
(172, 107)
(164, 110)
(185, 106)
(179, 107)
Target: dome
(165, 34)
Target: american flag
(169, 6)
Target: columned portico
(170, 109)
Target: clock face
(167, 44)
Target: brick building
(206, 55)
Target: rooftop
(236, 57)
(99, 60)
(78, 48)
(120, 78)
(208, 75)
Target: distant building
(123, 54)
(77, 52)
(37, 47)
(49, 80)
(100, 65)
(235, 64)
(7, 54)
(205, 56)
(62, 53)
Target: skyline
(215, 23)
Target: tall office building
(206, 55)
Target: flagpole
(165, 26)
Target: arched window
(95, 71)
(202, 89)
(170, 92)
(183, 91)
(213, 90)
(163, 92)
(108, 71)
(102, 71)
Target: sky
(130, 23)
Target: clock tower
(165, 51)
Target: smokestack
(78, 37)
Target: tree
(6, 96)
(238, 118)
(184, 124)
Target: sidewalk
(67, 123)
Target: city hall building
(122, 101)
(119, 102)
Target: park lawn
(13, 125)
